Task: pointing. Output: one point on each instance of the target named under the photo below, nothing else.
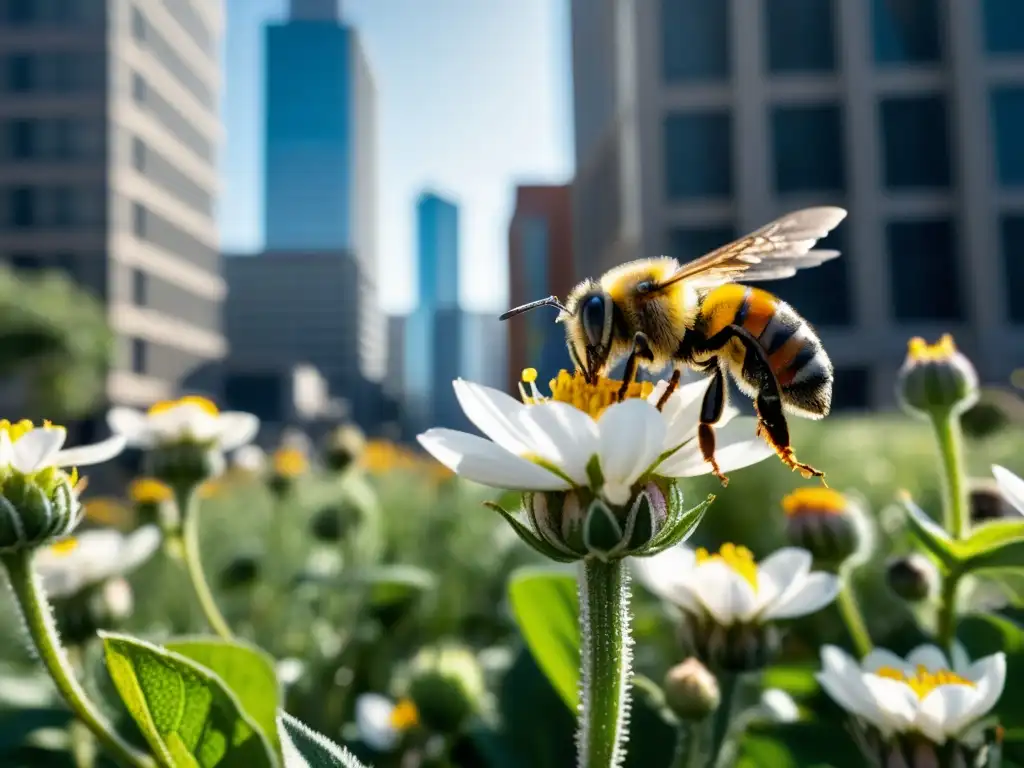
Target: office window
(66, 262)
(139, 348)
(22, 139)
(916, 142)
(63, 202)
(138, 154)
(905, 31)
(851, 390)
(1012, 232)
(1004, 26)
(687, 243)
(28, 262)
(138, 24)
(698, 155)
(694, 40)
(23, 207)
(139, 285)
(138, 88)
(1007, 109)
(801, 36)
(63, 138)
(20, 73)
(821, 295)
(139, 221)
(808, 147)
(22, 11)
(924, 270)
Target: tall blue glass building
(437, 248)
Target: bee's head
(588, 330)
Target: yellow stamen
(924, 682)
(572, 388)
(740, 559)
(404, 716)
(65, 547)
(920, 351)
(19, 429)
(166, 405)
(290, 462)
(814, 501)
(106, 511)
(147, 490)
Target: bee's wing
(775, 251)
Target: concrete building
(320, 184)
(700, 120)
(394, 372)
(540, 263)
(485, 349)
(109, 130)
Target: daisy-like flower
(731, 602)
(936, 380)
(597, 474)
(185, 440)
(382, 722)
(921, 710)
(1010, 486)
(38, 499)
(250, 459)
(76, 564)
(827, 524)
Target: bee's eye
(645, 286)
(592, 318)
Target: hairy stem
(728, 685)
(605, 664)
(189, 513)
(852, 615)
(948, 434)
(946, 624)
(38, 619)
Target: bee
(657, 312)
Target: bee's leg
(640, 349)
(711, 410)
(672, 384)
(771, 420)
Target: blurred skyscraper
(485, 349)
(699, 120)
(539, 264)
(108, 140)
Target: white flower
(1010, 486)
(731, 588)
(778, 706)
(190, 418)
(553, 444)
(381, 722)
(250, 458)
(920, 694)
(28, 449)
(71, 565)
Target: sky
(473, 97)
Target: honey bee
(658, 312)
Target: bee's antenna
(550, 301)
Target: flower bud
(820, 520)
(332, 523)
(447, 687)
(735, 648)
(691, 691)
(154, 503)
(987, 503)
(241, 573)
(343, 447)
(936, 381)
(38, 508)
(289, 464)
(185, 464)
(912, 577)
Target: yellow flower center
(739, 559)
(404, 716)
(166, 405)
(814, 501)
(290, 462)
(924, 682)
(920, 351)
(572, 388)
(64, 548)
(19, 429)
(147, 490)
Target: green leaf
(992, 535)
(188, 716)
(798, 745)
(931, 535)
(305, 748)
(546, 608)
(390, 585)
(983, 635)
(529, 538)
(798, 681)
(678, 530)
(247, 672)
(1009, 555)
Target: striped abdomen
(794, 353)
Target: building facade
(109, 130)
(708, 118)
(540, 263)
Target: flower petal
(842, 680)
(484, 462)
(236, 429)
(895, 699)
(681, 411)
(989, 675)
(37, 448)
(1011, 486)
(880, 657)
(495, 414)
(947, 710)
(726, 595)
(667, 575)
(814, 593)
(779, 706)
(132, 424)
(928, 656)
(86, 455)
(781, 571)
(734, 449)
(138, 547)
(373, 720)
(562, 435)
(631, 437)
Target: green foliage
(308, 749)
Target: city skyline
(479, 130)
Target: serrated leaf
(546, 608)
(247, 672)
(931, 535)
(680, 529)
(187, 715)
(305, 748)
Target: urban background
(124, 155)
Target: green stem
(850, 610)
(38, 619)
(193, 563)
(946, 628)
(728, 685)
(948, 434)
(606, 657)
(690, 744)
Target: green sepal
(529, 538)
(602, 533)
(678, 528)
(642, 519)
